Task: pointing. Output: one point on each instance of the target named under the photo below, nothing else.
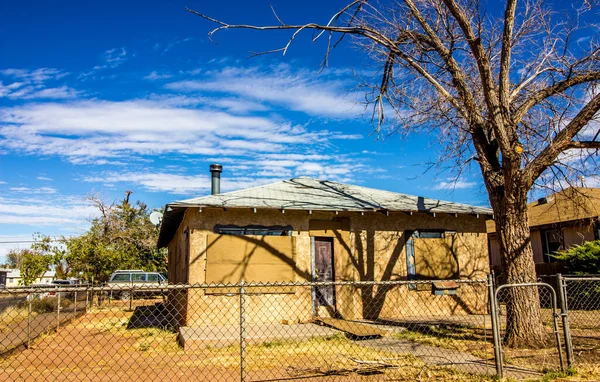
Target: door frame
(313, 272)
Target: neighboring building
(557, 222)
(306, 229)
(13, 278)
(3, 273)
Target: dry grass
(338, 358)
(468, 340)
(12, 315)
(334, 357)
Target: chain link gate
(501, 322)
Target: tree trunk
(524, 327)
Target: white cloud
(36, 75)
(114, 57)
(44, 178)
(154, 75)
(451, 184)
(173, 44)
(91, 130)
(27, 190)
(69, 213)
(31, 84)
(177, 184)
(299, 90)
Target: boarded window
(432, 255)
(266, 259)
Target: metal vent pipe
(216, 170)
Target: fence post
(58, 312)
(242, 332)
(29, 298)
(131, 297)
(91, 297)
(495, 327)
(75, 302)
(564, 313)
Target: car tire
(125, 295)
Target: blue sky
(101, 97)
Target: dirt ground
(100, 347)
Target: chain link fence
(582, 301)
(394, 330)
(342, 330)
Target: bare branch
(584, 145)
(509, 22)
(553, 90)
(562, 141)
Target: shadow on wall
(376, 256)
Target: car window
(152, 278)
(162, 278)
(137, 277)
(121, 277)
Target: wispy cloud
(27, 190)
(178, 184)
(32, 84)
(451, 184)
(113, 58)
(171, 44)
(154, 75)
(102, 129)
(298, 90)
(36, 75)
(61, 211)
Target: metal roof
(311, 194)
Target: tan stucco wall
(368, 247)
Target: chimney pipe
(215, 170)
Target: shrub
(582, 259)
(48, 304)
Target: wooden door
(325, 295)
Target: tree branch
(584, 145)
(485, 72)
(550, 91)
(509, 22)
(562, 141)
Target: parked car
(141, 282)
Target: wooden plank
(355, 328)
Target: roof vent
(216, 170)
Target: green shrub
(48, 304)
(582, 259)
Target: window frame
(114, 277)
(253, 230)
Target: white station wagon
(141, 282)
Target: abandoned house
(556, 222)
(306, 229)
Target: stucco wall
(370, 246)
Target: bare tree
(516, 93)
